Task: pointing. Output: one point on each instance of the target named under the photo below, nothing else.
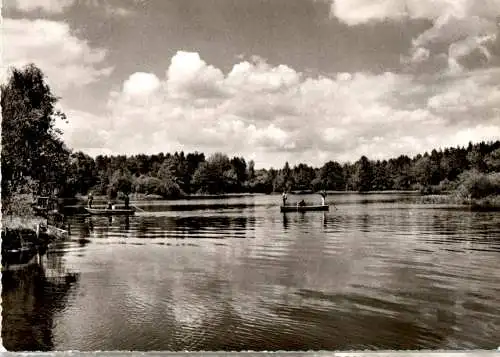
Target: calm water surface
(378, 272)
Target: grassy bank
(13, 222)
(23, 231)
(491, 202)
(18, 214)
(474, 189)
(18, 205)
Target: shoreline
(488, 203)
(153, 197)
(24, 238)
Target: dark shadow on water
(126, 223)
(286, 223)
(86, 228)
(167, 227)
(30, 300)
(197, 207)
(212, 222)
(82, 242)
(365, 222)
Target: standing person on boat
(284, 198)
(90, 199)
(323, 197)
(110, 205)
(127, 201)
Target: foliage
(491, 202)
(121, 181)
(474, 184)
(331, 177)
(214, 176)
(261, 181)
(284, 180)
(17, 205)
(82, 174)
(492, 161)
(169, 189)
(147, 185)
(363, 174)
(32, 149)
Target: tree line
(174, 175)
(35, 159)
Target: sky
(270, 80)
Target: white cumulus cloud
(66, 60)
(49, 6)
(190, 77)
(460, 28)
(275, 114)
(141, 84)
(56, 7)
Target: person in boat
(323, 197)
(302, 203)
(90, 199)
(110, 205)
(284, 198)
(127, 201)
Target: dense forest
(36, 160)
(177, 174)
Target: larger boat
(110, 212)
(298, 208)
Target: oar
(140, 209)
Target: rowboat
(297, 208)
(110, 212)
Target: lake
(378, 271)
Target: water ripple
(237, 274)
